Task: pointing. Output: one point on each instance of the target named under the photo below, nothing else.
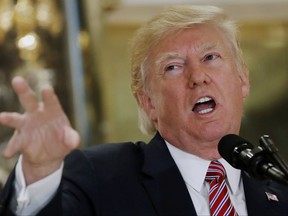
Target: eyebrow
(167, 56)
(203, 47)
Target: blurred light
(28, 42)
(29, 46)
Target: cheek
(236, 97)
(231, 89)
(165, 101)
(167, 97)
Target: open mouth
(204, 105)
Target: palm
(41, 134)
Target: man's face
(194, 92)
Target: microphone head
(230, 146)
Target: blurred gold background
(81, 47)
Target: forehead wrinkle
(208, 46)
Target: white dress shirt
(30, 200)
(193, 170)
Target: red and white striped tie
(219, 199)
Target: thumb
(71, 138)
(12, 147)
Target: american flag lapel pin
(271, 197)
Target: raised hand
(43, 134)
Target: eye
(210, 57)
(173, 70)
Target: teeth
(206, 111)
(204, 99)
(203, 105)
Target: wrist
(34, 172)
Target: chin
(217, 132)
(212, 136)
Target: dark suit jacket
(139, 179)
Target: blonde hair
(171, 19)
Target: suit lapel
(265, 197)
(163, 181)
(6, 195)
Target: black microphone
(241, 154)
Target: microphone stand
(267, 145)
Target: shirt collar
(194, 168)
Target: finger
(13, 119)
(26, 96)
(13, 146)
(49, 98)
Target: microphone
(241, 154)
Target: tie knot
(215, 171)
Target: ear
(244, 77)
(145, 102)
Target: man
(190, 82)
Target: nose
(198, 76)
